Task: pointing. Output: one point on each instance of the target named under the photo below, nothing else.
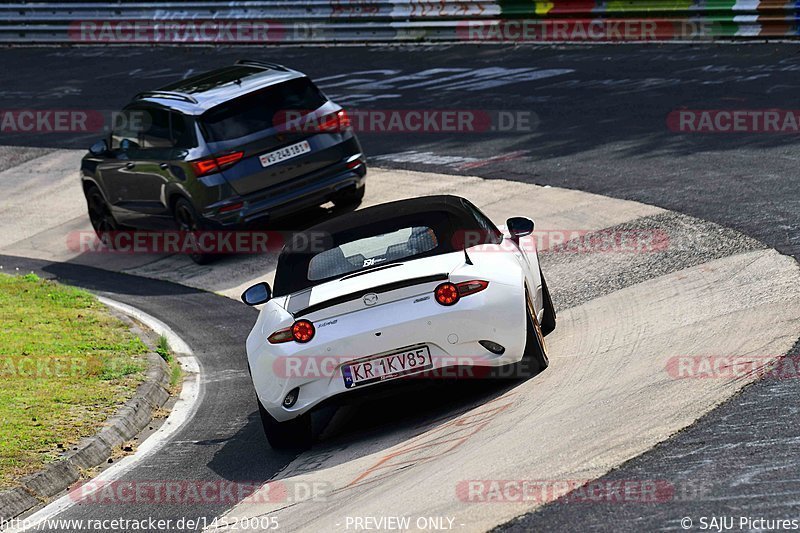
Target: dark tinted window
(128, 125)
(255, 112)
(313, 257)
(156, 132)
(375, 250)
(182, 132)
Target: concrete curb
(126, 423)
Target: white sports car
(405, 289)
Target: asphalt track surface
(600, 126)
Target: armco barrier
(331, 21)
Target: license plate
(387, 367)
(287, 152)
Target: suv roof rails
(262, 64)
(166, 94)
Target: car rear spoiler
(298, 302)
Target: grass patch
(175, 373)
(66, 364)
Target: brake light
(450, 293)
(335, 122)
(215, 164)
(446, 294)
(303, 331)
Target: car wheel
(100, 215)
(549, 319)
(534, 360)
(187, 220)
(350, 198)
(294, 434)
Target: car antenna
(466, 257)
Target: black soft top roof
(453, 206)
(449, 216)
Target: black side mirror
(519, 226)
(257, 294)
(99, 148)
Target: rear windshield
(372, 251)
(255, 112)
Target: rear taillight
(215, 164)
(301, 331)
(471, 287)
(449, 293)
(334, 123)
(446, 294)
(282, 335)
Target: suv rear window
(254, 112)
(362, 253)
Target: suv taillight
(335, 122)
(215, 164)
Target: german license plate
(387, 367)
(287, 152)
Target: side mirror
(257, 294)
(99, 148)
(519, 226)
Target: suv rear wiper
(367, 271)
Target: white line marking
(183, 411)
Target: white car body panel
(403, 317)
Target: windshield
(255, 112)
(362, 253)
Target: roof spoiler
(261, 64)
(166, 94)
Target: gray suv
(227, 149)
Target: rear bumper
(307, 191)
(451, 334)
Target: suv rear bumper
(314, 189)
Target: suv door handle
(163, 166)
(130, 165)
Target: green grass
(66, 364)
(162, 349)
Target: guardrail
(347, 21)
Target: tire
(549, 318)
(351, 198)
(294, 434)
(187, 220)
(534, 359)
(100, 216)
